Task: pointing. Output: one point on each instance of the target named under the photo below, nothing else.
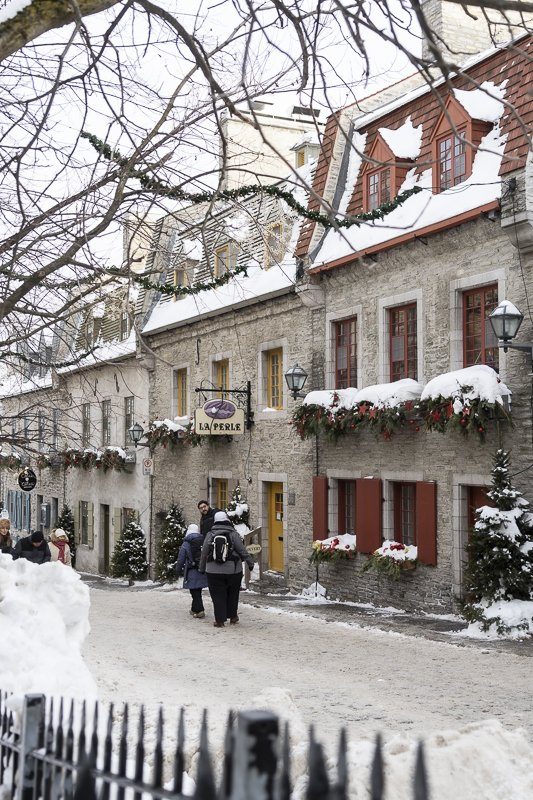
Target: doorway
(105, 535)
(276, 559)
(473, 497)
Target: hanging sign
(219, 418)
(254, 549)
(27, 479)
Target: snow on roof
(98, 310)
(483, 103)
(479, 381)
(425, 208)
(506, 307)
(193, 249)
(310, 137)
(107, 351)
(405, 141)
(15, 384)
(238, 226)
(357, 147)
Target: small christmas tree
(66, 521)
(499, 576)
(169, 543)
(129, 557)
(238, 510)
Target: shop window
(106, 422)
(346, 506)
(404, 503)
(274, 378)
(479, 343)
(403, 357)
(345, 355)
(181, 392)
(129, 410)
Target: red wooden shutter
(320, 507)
(368, 514)
(426, 522)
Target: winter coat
(54, 552)
(207, 521)
(37, 555)
(6, 549)
(192, 578)
(233, 564)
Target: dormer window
(378, 188)
(225, 259)
(451, 151)
(124, 326)
(455, 140)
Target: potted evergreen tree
(169, 543)
(129, 557)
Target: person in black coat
(207, 516)
(33, 548)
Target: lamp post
(505, 321)
(137, 432)
(296, 377)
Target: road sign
(27, 479)
(148, 466)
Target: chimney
(461, 32)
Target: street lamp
(296, 377)
(136, 432)
(505, 321)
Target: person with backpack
(222, 555)
(188, 561)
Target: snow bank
(511, 613)
(44, 613)
(484, 382)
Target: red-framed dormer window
(403, 342)
(451, 152)
(378, 188)
(479, 343)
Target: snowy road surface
(144, 647)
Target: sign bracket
(246, 393)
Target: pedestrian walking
(6, 543)
(189, 561)
(207, 516)
(33, 548)
(222, 555)
(59, 547)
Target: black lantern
(505, 321)
(136, 432)
(296, 377)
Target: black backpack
(221, 549)
(196, 552)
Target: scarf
(61, 547)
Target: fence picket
(205, 781)
(157, 782)
(178, 755)
(108, 750)
(377, 777)
(420, 784)
(139, 753)
(318, 783)
(123, 750)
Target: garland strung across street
(178, 291)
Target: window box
(392, 559)
(334, 549)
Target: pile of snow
(479, 382)
(397, 551)
(405, 141)
(44, 613)
(483, 103)
(170, 424)
(516, 615)
(382, 395)
(344, 541)
(343, 398)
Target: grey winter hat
(221, 516)
(193, 528)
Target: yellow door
(275, 527)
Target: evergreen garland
(500, 550)
(199, 286)
(66, 521)
(129, 556)
(327, 221)
(169, 543)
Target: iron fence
(45, 755)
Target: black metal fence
(47, 756)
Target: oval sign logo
(219, 409)
(27, 479)
(254, 549)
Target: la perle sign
(219, 418)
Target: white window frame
(337, 316)
(457, 288)
(264, 347)
(385, 304)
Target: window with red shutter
(344, 337)
(426, 522)
(479, 343)
(404, 511)
(346, 506)
(403, 341)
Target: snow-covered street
(144, 647)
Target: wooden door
(276, 559)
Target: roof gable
(452, 117)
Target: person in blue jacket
(188, 562)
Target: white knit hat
(221, 516)
(59, 533)
(193, 528)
